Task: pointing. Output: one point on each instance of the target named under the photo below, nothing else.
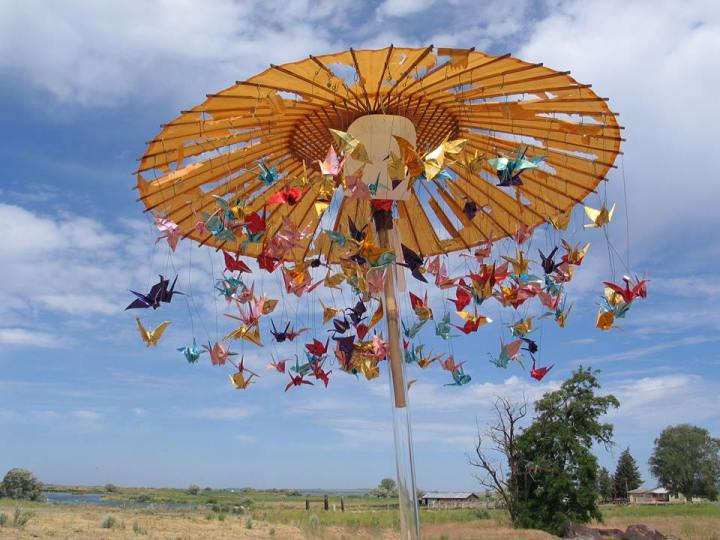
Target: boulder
(633, 532)
(583, 532)
(642, 532)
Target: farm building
(657, 495)
(447, 499)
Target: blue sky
(83, 86)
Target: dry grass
(83, 522)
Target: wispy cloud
(639, 352)
(31, 338)
(222, 413)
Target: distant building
(658, 495)
(449, 499)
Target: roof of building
(645, 491)
(449, 495)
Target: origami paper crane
(470, 209)
(298, 280)
(631, 290)
(234, 264)
(574, 255)
(539, 373)
(473, 321)
(287, 334)
(507, 352)
(409, 157)
(561, 221)
(449, 364)
(219, 353)
(277, 365)
(522, 328)
(462, 296)
(267, 175)
(434, 161)
(317, 348)
(238, 379)
(357, 189)
(459, 378)
(320, 374)
(421, 307)
(379, 347)
(548, 263)
(296, 380)
(350, 146)
(250, 317)
(414, 262)
(248, 333)
(216, 227)
(158, 293)
(519, 262)
(331, 166)
(413, 330)
(169, 230)
(598, 218)
(443, 327)
(151, 337)
(191, 352)
(288, 195)
(509, 170)
(605, 319)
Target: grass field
(251, 514)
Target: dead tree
(496, 452)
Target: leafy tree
(193, 489)
(387, 488)
(558, 475)
(21, 484)
(627, 476)
(686, 460)
(111, 488)
(605, 485)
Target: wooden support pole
(383, 226)
(325, 503)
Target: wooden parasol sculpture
(284, 115)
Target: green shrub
(481, 513)
(111, 488)
(137, 529)
(143, 498)
(21, 517)
(249, 523)
(247, 502)
(21, 484)
(313, 523)
(110, 522)
(3, 519)
(271, 532)
(193, 489)
(210, 516)
(221, 517)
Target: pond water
(96, 499)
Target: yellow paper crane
(151, 337)
(600, 217)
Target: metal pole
(405, 465)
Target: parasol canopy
(282, 119)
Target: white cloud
(221, 413)
(245, 439)
(103, 53)
(30, 338)
(87, 416)
(402, 8)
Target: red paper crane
(539, 373)
(317, 348)
(296, 380)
